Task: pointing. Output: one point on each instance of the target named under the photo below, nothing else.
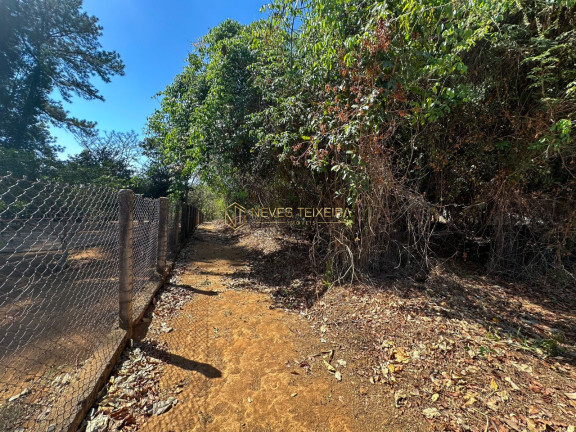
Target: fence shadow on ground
(181, 372)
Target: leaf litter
(132, 394)
(464, 352)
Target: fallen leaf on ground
(159, 408)
(23, 393)
(493, 385)
(512, 384)
(431, 413)
(400, 398)
(99, 424)
(329, 367)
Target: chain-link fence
(146, 217)
(60, 248)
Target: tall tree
(47, 47)
(204, 124)
(108, 158)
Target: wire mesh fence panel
(146, 216)
(58, 294)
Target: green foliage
(108, 158)
(431, 120)
(46, 46)
(209, 201)
(203, 125)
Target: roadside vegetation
(447, 129)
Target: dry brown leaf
(512, 384)
(400, 398)
(431, 413)
(470, 398)
(329, 367)
(531, 425)
(384, 369)
(503, 395)
(399, 355)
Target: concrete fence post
(194, 213)
(190, 221)
(126, 255)
(174, 241)
(162, 235)
(184, 224)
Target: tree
(204, 124)
(109, 158)
(47, 46)
(443, 126)
(158, 178)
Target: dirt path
(237, 364)
(247, 338)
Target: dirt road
(238, 364)
(247, 338)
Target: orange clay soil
(238, 364)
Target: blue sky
(153, 38)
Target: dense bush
(447, 128)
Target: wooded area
(446, 127)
